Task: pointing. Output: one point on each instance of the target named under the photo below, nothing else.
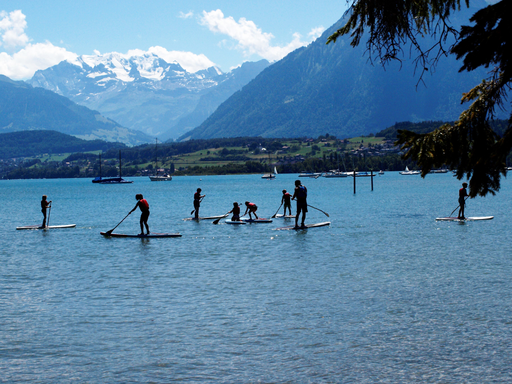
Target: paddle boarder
(286, 200)
(300, 194)
(235, 211)
(44, 206)
(197, 202)
(251, 208)
(463, 193)
(143, 205)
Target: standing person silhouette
(286, 201)
(463, 193)
(301, 195)
(197, 202)
(44, 206)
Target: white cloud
(187, 15)
(191, 62)
(12, 29)
(251, 39)
(24, 63)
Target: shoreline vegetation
(243, 155)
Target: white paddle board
(204, 218)
(316, 225)
(279, 215)
(47, 227)
(476, 218)
(260, 220)
(235, 222)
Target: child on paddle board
(144, 216)
(300, 194)
(463, 193)
(45, 205)
(251, 208)
(286, 200)
(236, 212)
(197, 202)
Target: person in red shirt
(251, 208)
(44, 206)
(463, 193)
(144, 216)
(286, 200)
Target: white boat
(331, 174)
(407, 172)
(157, 177)
(381, 173)
(270, 176)
(310, 174)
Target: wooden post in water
(354, 181)
(372, 178)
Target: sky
(198, 34)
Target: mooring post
(372, 178)
(354, 181)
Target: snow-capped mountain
(142, 92)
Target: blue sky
(38, 34)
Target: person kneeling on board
(236, 212)
(300, 194)
(251, 208)
(44, 206)
(144, 216)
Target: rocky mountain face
(23, 108)
(334, 89)
(145, 92)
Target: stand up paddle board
(235, 222)
(47, 227)
(476, 218)
(152, 235)
(204, 218)
(260, 220)
(285, 216)
(305, 227)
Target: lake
(384, 294)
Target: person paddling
(251, 208)
(197, 202)
(463, 193)
(286, 201)
(300, 194)
(144, 216)
(235, 211)
(44, 206)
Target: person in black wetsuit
(463, 193)
(301, 195)
(44, 206)
(197, 202)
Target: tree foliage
(468, 145)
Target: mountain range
(144, 92)
(334, 89)
(25, 108)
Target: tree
(469, 145)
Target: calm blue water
(385, 294)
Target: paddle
(325, 213)
(49, 212)
(109, 232)
(274, 215)
(216, 221)
(457, 207)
